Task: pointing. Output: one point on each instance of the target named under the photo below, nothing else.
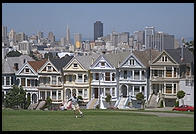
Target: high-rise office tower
(20, 37)
(51, 37)
(12, 35)
(123, 37)
(149, 37)
(77, 40)
(98, 30)
(4, 33)
(68, 35)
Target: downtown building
(98, 30)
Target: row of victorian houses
(158, 75)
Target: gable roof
(36, 65)
(176, 55)
(86, 60)
(146, 56)
(59, 63)
(8, 63)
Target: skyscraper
(4, 33)
(77, 40)
(149, 37)
(68, 35)
(51, 37)
(12, 35)
(98, 30)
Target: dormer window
(49, 68)
(102, 64)
(132, 62)
(165, 58)
(75, 65)
(27, 70)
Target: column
(172, 73)
(56, 94)
(172, 87)
(140, 74)
(133, 74)
(51, 94)
(164, 88)
(25, 82)
(133, 90)
(82, 93)
(62, 95)
(164, 72)
(140, 88)
(10, 79)
(39, 95)
(45, 94)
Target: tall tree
(190, 46)
(13, 54)
(140, 97)
(180, 95)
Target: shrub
(177, 104)
(161, 104)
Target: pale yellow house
(76, 77)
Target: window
(27, 70)
(48, 93)
(59, 95)
(168, 88)
(85, 78)
(107, 76)
(79, 77)
(143, 90)
(85, 93)
(22, 81)
(155, 72)
(107, 91)
(136, 74)
(12, 80)
(49, 68)
(7, 80)
(125, 74)
(79, 92)
(136, 90)
(75, 65)
(59, 80)
(187, 71)
(102, 64)
(165, 58)
(2, 80)
(54, 80)
(132, 62)
(28, 82)
(143, 75)
(96, 76)
(53, 94)
(174, 88)
(168, 71)
(175, 72)
(188, 83)
(70, 78)
(113, 91)
(42, 95)
(113, 76)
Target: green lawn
(19, 120)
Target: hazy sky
(172, 18)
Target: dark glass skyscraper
(98, 29)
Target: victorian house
(103, 82)
(164, 80)
(185, 58)
(10, 65)
(76, 77)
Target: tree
(48, 103)
(180, 95)
(28, 101)
(33, 56)
(15, 98)
(14, 54)
(46, 55)
(108, 99)
(140, 97)
(190, 46)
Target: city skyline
(119, 17)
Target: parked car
(183, 108)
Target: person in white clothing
(75, 105)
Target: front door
(124, 91)
(96, 92)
